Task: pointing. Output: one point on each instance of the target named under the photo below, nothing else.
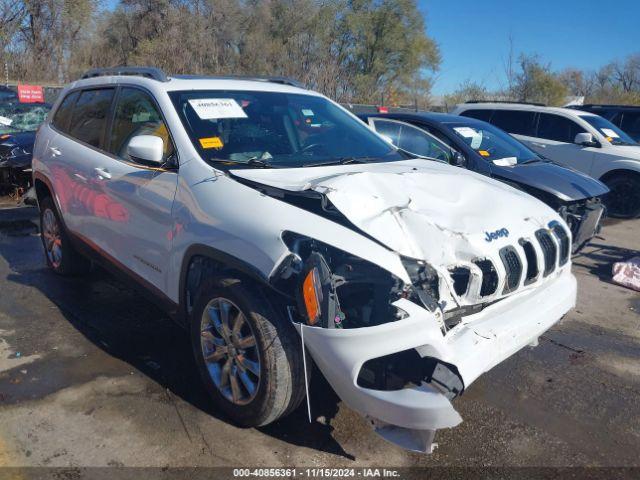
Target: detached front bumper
(410, 416)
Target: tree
(388, 46)
(627, 73)
(467, 91)
(578, 82)
(535, 82)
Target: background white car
(576, 139)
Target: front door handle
(55, 152)
(541, 145)
(102, 173)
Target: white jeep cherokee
(268, 219)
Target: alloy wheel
(52, 238)
(230, 351)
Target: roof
(175, 84)
(428, 116)
(156, 79)
(521, 106)
(604, 105)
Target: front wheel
(624, 199)
(249, 357)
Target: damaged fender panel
(259, 241)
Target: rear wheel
(249, 357)
(61, 257)
(624, 199)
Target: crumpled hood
(423, 210)
(25, 140)
(567, 184)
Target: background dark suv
(626, 117)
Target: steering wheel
(312, 146)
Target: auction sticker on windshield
(610, 133)
(6, 121)
(211, 142)
(474, 135)
(216, 108)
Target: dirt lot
(93, 375)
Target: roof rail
(254, 78)
(606, 105)
(507, 101)
(147, 72)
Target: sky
(473, 35)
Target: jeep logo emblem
(491, 236)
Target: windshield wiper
(340, 161)
(253, 162)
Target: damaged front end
(387, 347)
(341, 297)
(15, 168)
(583, 218)
(398, 341)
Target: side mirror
(459, 160)
(146, 149)
(586, 140)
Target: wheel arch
(203, 261)
(618, 171)
(43, 188)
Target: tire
(61, 257)
(624, 199)
(279, 384)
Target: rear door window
(63, 114)
(479, 114)
(557, 128)
(518, 122)
(90, 116)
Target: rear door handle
(102, 173)
(541, 145)
(55, 152)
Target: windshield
(613, 134)
(274, 129)
(493, 144)
(22, 117)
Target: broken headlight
(335, 289)
(425, 281)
